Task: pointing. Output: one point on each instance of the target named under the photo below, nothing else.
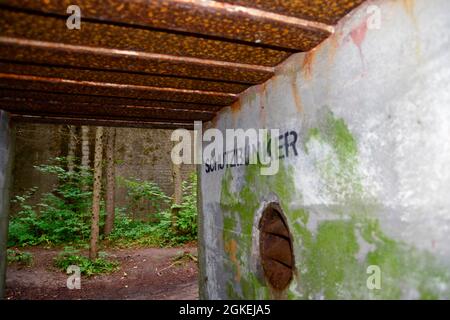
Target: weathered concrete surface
(6, 154)
(370, 182)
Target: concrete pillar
(6, 157)
(202, 279)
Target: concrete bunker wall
(6, 157)
(368, 184)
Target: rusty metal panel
(140, 79)
(325, 11)
(113, 89)
(27, 106)
(178, 55)
(80, 56)
(53, 29)
(210, 18)
(51, 97)
(80, 121)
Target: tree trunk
(96, 192)
(85, 146)
(110, 180)
(177, 193)
(72, 148)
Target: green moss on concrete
(337, 163)
(341, 139)
(333, 247)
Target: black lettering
(293, 144)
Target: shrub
(160, 231)
(62, 216)
(186, 222)
(129, 232)
(139, 191)
(71, 256)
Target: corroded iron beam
(60, 97)
(100, 122)
(29, 106)
(141, 79)
(32, 51)
(325, 11)
(25, 82)
(211, 18)
(16, 24)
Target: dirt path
(145, 274)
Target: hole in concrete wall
(275, 242)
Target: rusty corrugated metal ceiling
(148, 63)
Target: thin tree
(177, 193)
(71, 148)
(96, 192)
(85, 146)
(110, 180)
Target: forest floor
(145, 274)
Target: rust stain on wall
(235, 110)
(409, 8)
(333, 46)
(307, 66)
(231, 250)
(236, 107)
(296, 94)
(263, 112)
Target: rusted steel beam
(25, 82)
(325, 11)
(95, 117)
(16, 24)
(23, 50)
(98, 122)
(101, 110)
(210, 18)
(140, 79)
(51, 97)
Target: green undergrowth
(102, 265)
(62, 216)
(20, 257)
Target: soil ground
(145, 274)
